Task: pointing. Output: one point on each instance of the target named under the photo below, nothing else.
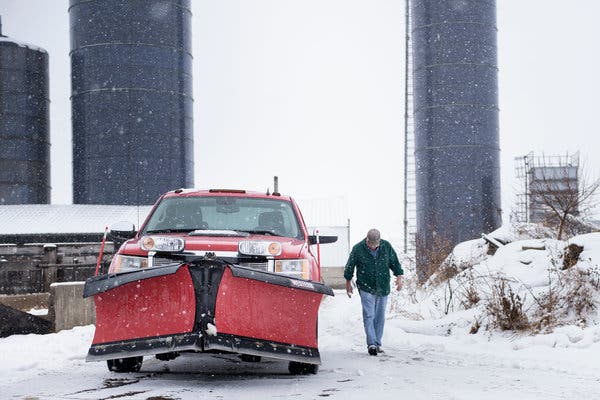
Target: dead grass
(505, 307)
(570, 299)
(431, 257)
(470, 294)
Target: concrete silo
(24, 123)
(131, 99)
(457, 153)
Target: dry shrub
(455, 287)
(475, 327)
(445, 273)
(546, 316)
(571, 298)
(458, 284)
(470, 294)
(431, 257)
(582, 287)
(505, 307)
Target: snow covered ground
(430, 353)
(562, 365)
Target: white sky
(312, 91)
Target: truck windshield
(254, 215)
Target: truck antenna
(275, 186)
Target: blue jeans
(373, 308)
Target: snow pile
(525, 287)
(24, 354)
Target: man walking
(373, 259)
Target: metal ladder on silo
(410, 224)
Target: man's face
(372, 246)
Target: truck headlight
(293, 268)
(259, 248)
(122, 263)
(161, 243)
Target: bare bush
(444, 274)
(431, 257)
(470, 294)
(459, 287)
(570, 298)
(505, 307)
(581, 291)
(475, 327)
(545, 317)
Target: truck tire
(250, 358)
(298, 368)
(129, 364)
(167, 356)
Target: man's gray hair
(373, 237)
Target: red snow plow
(212, 271)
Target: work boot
(372, 350)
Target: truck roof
(191, 192)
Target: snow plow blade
(205, 306)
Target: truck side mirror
(122, 230)
(312, 239)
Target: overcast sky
(312, 91)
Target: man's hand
(349, 290)
(398, 282)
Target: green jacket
(373, 274)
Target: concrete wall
(68, 308)
(26, 302)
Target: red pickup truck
(212, 271)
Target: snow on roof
(73, 218)
(8, 40)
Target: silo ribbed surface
(131, 99)
(24, 124)
(457, 149)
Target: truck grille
(257, 265)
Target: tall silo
(24, 123)
(131, 98)
(457, 153)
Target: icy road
(415, 366)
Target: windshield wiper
(179, 230)
(218, 232)
(261, 232)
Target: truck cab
(250, 229)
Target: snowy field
(419, 363)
